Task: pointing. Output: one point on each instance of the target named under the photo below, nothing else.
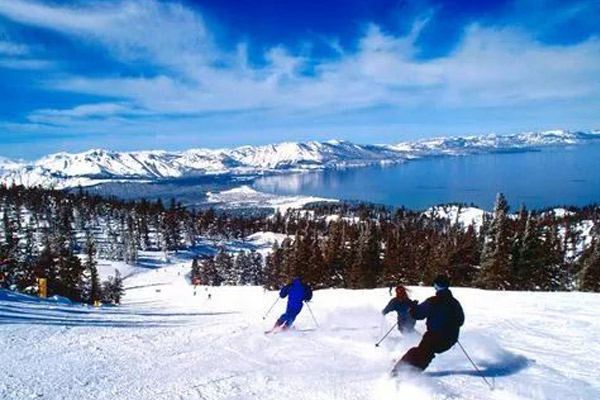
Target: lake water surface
(550, 177)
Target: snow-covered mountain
(486, 143)
(97, 166)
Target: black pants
(431, 344)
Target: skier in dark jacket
(297, 293)
(444, 316)
(402, 305)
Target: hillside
(164, 342)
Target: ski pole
(475, 366)
(311, 313)
(386, 335)
(265, 316)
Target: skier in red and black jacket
(444, 316)
(402, 305)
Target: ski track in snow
(165, 343)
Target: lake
(549, 177)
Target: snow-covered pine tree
(273, 268)
(112, 289)
(256, 268)
(243, 268)
(590, 272)
(172, 225)
(92, 289)
(209, 274)
(163, 237)
(189, 228)
(496, 267)
(195, 270)
(130, 243)
(225, 267)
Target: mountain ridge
(62, 170)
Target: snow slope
(245, 196)
(96, 166)
(164, 342)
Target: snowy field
(164, 342)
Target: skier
(444, 316)
(402, 305)
(297, 293)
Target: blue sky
(148, 74)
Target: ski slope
(164, 342)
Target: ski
(274, 331)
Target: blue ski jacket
(402, 307)
(297, 292)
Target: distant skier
(444, 316)
(402, 305)
(297, 293)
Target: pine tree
(273, 268)
(496, 264)
(288, 267)
(112, 289)
(242, 268)
(590, 273)
(366, 267)
(256, 268)
(553, 273)
(130, 243)
(465, 257)
(210, 275)
(45, 267)
(10, 249)
(333, 256)
(69, 275)
(529, 259)
(195, 273)
(225, 267)
(92, 289)
(392, 273)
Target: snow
(164, 342)
(464, 216)
(266, 238)
(245, 196)
(558, 213)
(64, 170)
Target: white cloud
(490, 67)
(12, 49)
(166, 33)
(81, 112)
(25, 63)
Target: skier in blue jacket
(297, 293)
(444, 316)
(402, 305)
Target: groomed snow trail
(166, 343)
